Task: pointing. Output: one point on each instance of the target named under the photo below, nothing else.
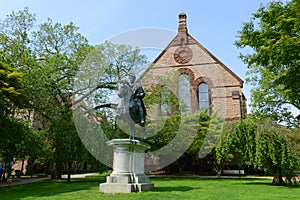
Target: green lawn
(165, 188)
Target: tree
(263, 145)
(59, 49)
(15, 39)
(273, 35)
(104, 67)
(13, 132)
(277, 152)
(50, 56)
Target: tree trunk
(69, 172)
(56, 173)
(58, 164)
(69, 176)
(22, 167)
(277, 180)
(30, 167)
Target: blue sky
(214, 23)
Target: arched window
(165, 103)
(184, 94)
(203, 96)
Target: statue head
(131, 77)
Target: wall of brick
(225, 87)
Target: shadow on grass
(82, 180)
(262, 182)
(295, 186)
(179, 178)
(48, 188)
(173, 189)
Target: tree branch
(110, 86)
(107, 105)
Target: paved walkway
(18, 181)
(80, 175)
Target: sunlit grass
(165, 188)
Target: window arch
(184, 94)
(203, 96)
(165, 106)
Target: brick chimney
(182, 23)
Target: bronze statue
(137, 108)
(131, 108)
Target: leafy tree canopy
(265, 146)
(50, 56)
(274, 63)
(11, 92)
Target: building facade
(197, 77)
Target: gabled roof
(189, 40)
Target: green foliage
(94, 137)
(103, 68)
(225, 145)
(48, 55)
(14, 132)
(273, 35)
(181, 137)
(245, 131)
(15, 41)
(167, 133)
(11, 91)
(194, 125)
(160, 94)
(277, 152)
(188, 137)
(201, 128)
(18, 139)
(270, 148)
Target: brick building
(198, 78)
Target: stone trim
(191, 74)
(195, 86)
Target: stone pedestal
(128, 168)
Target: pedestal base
(113, 188)
(128, 168)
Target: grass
(165, 188)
